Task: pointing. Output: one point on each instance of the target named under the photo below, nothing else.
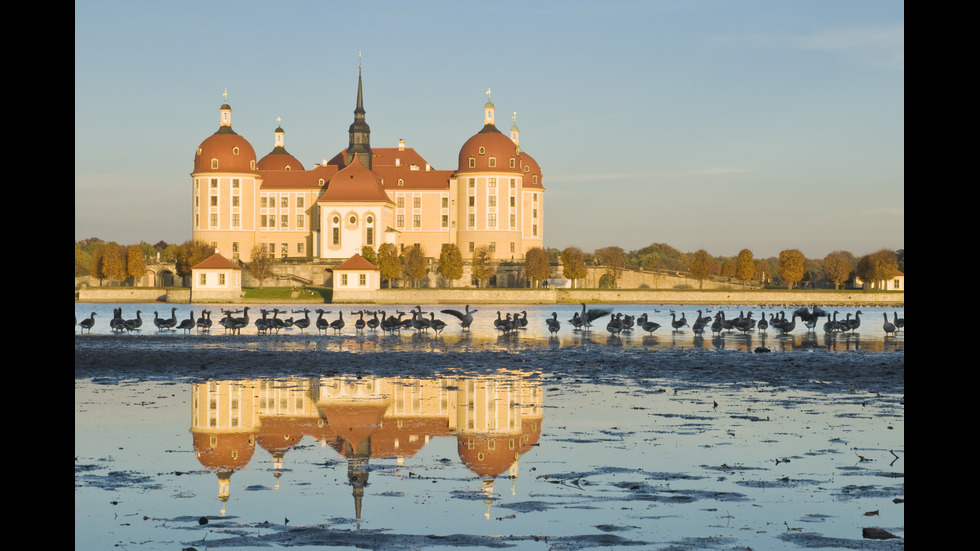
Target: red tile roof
(216, 262)
(356, 262)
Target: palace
(366, 196)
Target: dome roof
(485, 145)
(225, 151)
(530, 170)
(354, 183)
(279, 159)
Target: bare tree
(260, 266)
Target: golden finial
(488, 93)
(279, 121)
(225, 94)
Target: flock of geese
(269, 321)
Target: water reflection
(495, 420)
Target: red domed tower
(225, 190)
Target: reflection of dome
(488, 456)
(279, 433)
(354, 420)
(224, 451)
(225, 151)
(405, 436)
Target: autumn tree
(451, 262)
(482, 265)
(537, 265)
(792, 266)
(837, 268)
(135, 263)
(189, 254)
(260, 264)
(744, 265)
(114, 262)
(728, 268)
(388, 263)
(700, 267)
(614, 260)
(414, 266)
(573, 264)
(877, 267)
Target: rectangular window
(235, 200)
(417, 221)
(534, 229)
(221, 279)
(234, 246)
(513, 183)
(235, 183)
(299, 248)
(370, 236)
(417, 202)
(401, 221)
(492, 220)
(445, 202)
(513, 221)
(336, 236)
(471, 220)
(472, 201)
(343, 279)
(472, 162)
(284, 248)
(493, 162)
(214, 220)
(401, 202)
(535, 197)
(203, 280)
(285, 202)
(299, 202)
(492, 201)
(512, 201)
(493, 246)
(235, 220)
(264, 220)
(472, 183)
(534, 213)
(491, 182)
(264, 202)
(214, 200)
(445, 220)
(471, 246)
(214, 182)
(511, 246)
(362, 280)
(300, 221)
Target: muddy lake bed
(488, 440)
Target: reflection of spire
(488, 495)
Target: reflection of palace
(495, 419)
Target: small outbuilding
(355, 280)
(216, 279)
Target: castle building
(366, 195)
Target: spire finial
(278, 121)
(488, 93)
(225, 94)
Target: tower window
(235, 150)
(493, 162)
(483, 150)
(472, 163)
(214, 163)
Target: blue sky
(703, 124)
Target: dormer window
(483, 150)
(214, 163)
(235, 150)
(472, 162)
(401, 182)
(493, 162)
(513, 163)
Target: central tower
(359, 132)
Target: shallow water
(534, 457)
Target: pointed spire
(488, 111)
(359, 132)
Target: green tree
(367, 252)
(260, 264)
(884, 263)
(837, 268)
(700, 267)
(388, 263)
(135, 263)
(573, 264)
(414, 266)
(745, 265)
(451, 262)
(95, 267)
(537, 265)
(792, 266)
(482, 265)
(83, 260)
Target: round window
(370, 220)
(353, 219)
(336, 219)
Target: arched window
(235, 150)
(214, 163)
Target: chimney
(401, 145)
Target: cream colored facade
(494, 198)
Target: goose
(831, 325)
(788, 326)
(590, 315)
(763, 325)
(499, 321)
(305, 322)
(677, 323)
(87, 323)
(437, 325)
(135, 323)
(628, 322)
(615, 325)
(465, 318)
(523, 319)
(171, 323)
(576, 321)
(204, 322)
(360, 324)
(418, 320)
(853, 324)
(374, 322)
(899, 322)
(159, 322)
(338, 323)
(238, 323)
(117, 324)
(321, 324)
(262, 325)
(699, 325)
(275, 323)
(646, 324)
(888, 326)
(718, 325)
(704, 320)
(228, 322)
(188, 323)
(553, 324)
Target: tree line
(410, 265)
